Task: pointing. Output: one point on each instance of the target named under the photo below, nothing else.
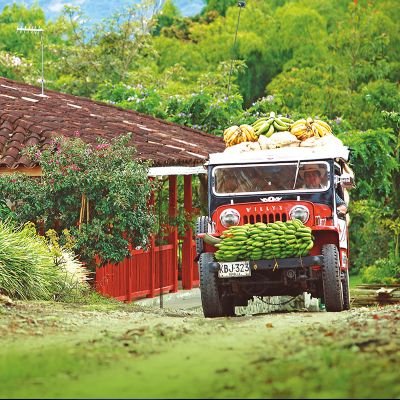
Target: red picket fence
(147, 273)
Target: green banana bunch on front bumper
(265, 241)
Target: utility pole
(241, 4)
(36, 31)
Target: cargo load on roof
(276, 132)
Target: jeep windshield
(271, 178)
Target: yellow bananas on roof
(249, 132)
(304, 129)
(238, 134)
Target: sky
(96, 10)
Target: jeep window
(273, 178)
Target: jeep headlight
(300, 212)
(229, 217)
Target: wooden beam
(375, 294)
(187, 248)
(173, 236)
(34, 171)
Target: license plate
(234, 269)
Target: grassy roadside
(289, 355)
(354, 280)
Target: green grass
(110, 369)
(354, 281)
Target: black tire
(331, 279)
(201, 227)
(228, 306)
(214, 305)
(346, 290)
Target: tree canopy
(336, 60)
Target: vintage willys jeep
(267, 186)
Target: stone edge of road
(191, 299)
(168, 298)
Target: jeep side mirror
(345, 180)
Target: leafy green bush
(204, 111)
(138, 98)
(370, 239)
(5, 211)
(27, 269)
(35, 268)
(384, 270)
(75, 276)
(75, 283)
(99, 193)
(373, 160)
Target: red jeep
(264, 187)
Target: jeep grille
(264, 217)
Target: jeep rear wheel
(215, 304)
(201, 227)
(331, 278)
(346, 290)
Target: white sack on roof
(282, 139)
(328, 140)
(242, 147)
(265, 143)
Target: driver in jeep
(312, 177)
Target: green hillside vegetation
(335, 60)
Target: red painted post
(173, 236)
(187, 248)
(152, 266)
(152, 253)
(127, 265)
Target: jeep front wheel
(214, 304)
(331, 279)
(201, 227)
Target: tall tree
(221, 6)
(167, 16)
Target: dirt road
(129, 351)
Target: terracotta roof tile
(5, 124)
(7, 161)
(19, 136)
(24, 161)
(36, 122)
(32, 141)
(5, 132)
(14, 143)
(12, 152)
(24, 123)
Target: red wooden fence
(145, 272)
(149, 273)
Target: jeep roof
(281, 154)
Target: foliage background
(336, 60)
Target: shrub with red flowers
(100, 193)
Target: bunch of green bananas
(265, 241)
(233, 245)
(238, 134)
(268, 125)
(305, 128)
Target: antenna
(241, 4)
(36, 31)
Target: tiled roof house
(29, 118)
